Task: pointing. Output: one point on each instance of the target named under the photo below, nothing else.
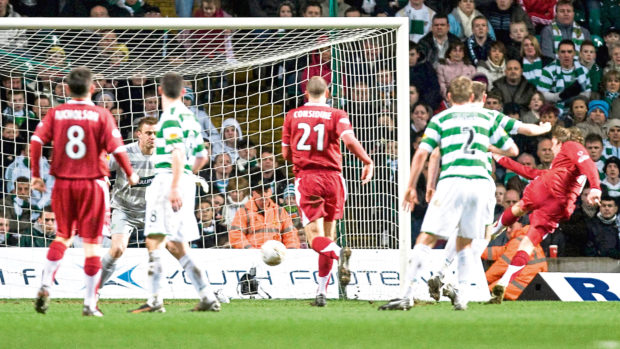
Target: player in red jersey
(311, 141)
(82, 134)
(550, 197)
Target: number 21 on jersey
(317, 131)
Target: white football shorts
(460, 205)
(180, 226)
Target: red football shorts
(546, 211)
(320, 194)
(82, 206)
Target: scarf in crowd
(532, 70)
(577, 36)
(604, 220)
(466, 21)
(610, 96)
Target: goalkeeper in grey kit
(129, 203)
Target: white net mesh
(238, 78)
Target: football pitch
(294, 324)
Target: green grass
(294, 324)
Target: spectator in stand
(420, 18)
(551, 114)
(414, 95)
(545, 154)
(423, 76)
(587, 58)
(269, 8)
(352, 12)
(609, 92)
(511, 197)
(462, 20)
(565, 78)
(513, 87)
(209, 131)
(151, 104)
(231, 134)
(104, 99)
(184, 7)
(524, 159)
(27, 200)
(614, 62)
(21, 168)
(11, 38)
(501, 13)
(261, 219)
(611, 183)
(494, 101)
(212, 233)
(518, 32)
(269, 172)
(603, 232)
(533, 61)
(129, 8)
(40, 106)
(247, 162)
(611, 145)
(10, 148)
(455, 65)
(594, 145)
(7, 238)
(500, 192)
(598, 111)
(532, 116)
(611, 37)
(221, 172)
(577, 112)
(237, 195)
(504, 253)
(17, 110)
(211, 43)
(479, 43)
(563, 28)
(420, 114)
(99, 11)
(312, 9)
(116, 52)
(320, 65)
(42, 232)
(493, 68)
(434, 45)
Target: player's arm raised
(533, 129)
(356, 148)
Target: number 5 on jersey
(320, 134)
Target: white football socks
(198, 278)
(419, 257)
(154, 277)
(512, 269)
(90, 298)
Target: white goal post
(248, 69)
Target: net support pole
(402, 96)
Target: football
(273, 252)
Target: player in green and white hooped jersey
(463, 134)
(179, 152)
(128, 202)
(512, 127)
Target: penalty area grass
(295, 324)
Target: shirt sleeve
(343, 124)
(112, 136)
(44, 131)
(431, 137)
(286, 130)
(579, 156)
(172, 133)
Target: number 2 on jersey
(320, 134)
(470, 139)
(75, 147)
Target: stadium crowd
(554, 61)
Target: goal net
(242, 76)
